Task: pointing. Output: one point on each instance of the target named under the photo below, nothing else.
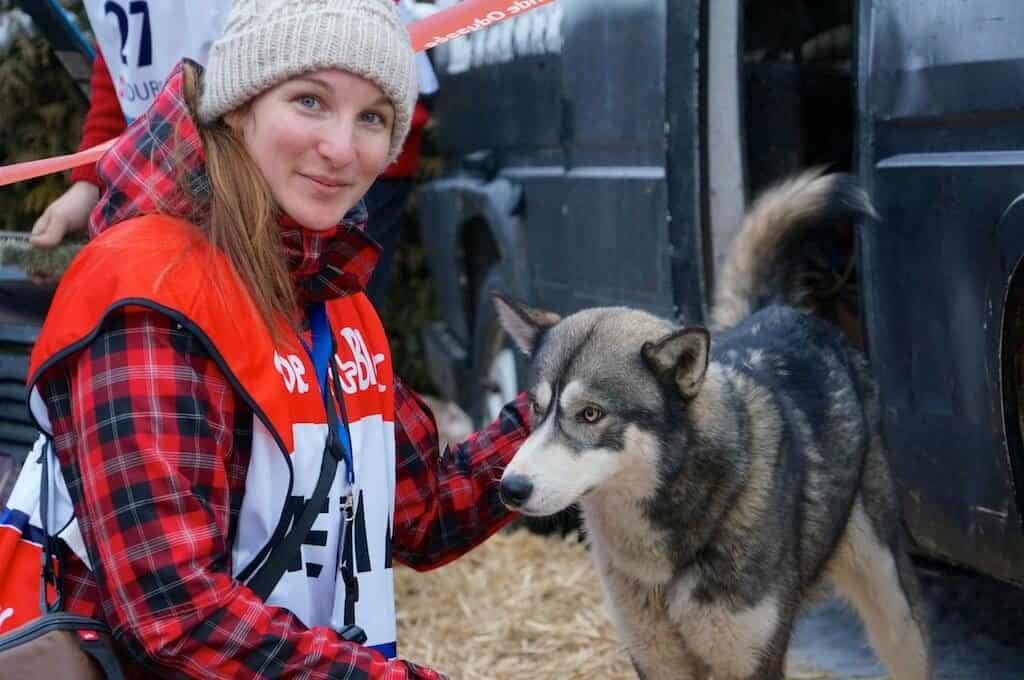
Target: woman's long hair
(238, 214)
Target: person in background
(388, 197)
(137, 45)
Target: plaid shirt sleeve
(145, 427)
(447, 503)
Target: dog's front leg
(651, 639)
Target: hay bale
(47, 263)
(521, 605)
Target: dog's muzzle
(515, 490)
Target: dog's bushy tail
(763, 264)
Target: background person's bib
(142, 40)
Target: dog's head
(607, 387)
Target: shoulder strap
(265, 579)
(47, 574)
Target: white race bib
(142, 41)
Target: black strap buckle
(353, 633)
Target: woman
(178, 368)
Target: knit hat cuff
(243, 65)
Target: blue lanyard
(320, 353)
(337, 434)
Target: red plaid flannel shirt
(154, 448)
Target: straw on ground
(519, 606)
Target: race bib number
(142, 41)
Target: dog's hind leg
(651, 639)
(878, 579)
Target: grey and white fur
(724, 476)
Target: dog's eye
(535, 407)
(590, 415)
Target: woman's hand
(68, 213)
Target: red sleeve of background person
(104, 120)
(405, 164)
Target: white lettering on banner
(360, 373)
(534, 33)
(293, 371)
(4, 615)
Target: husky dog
(723, 477)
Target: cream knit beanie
(269, 41)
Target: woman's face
(320, 140)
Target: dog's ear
(523, 323)
(680, 357)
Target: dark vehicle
(600, 153)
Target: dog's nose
(515, 489)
